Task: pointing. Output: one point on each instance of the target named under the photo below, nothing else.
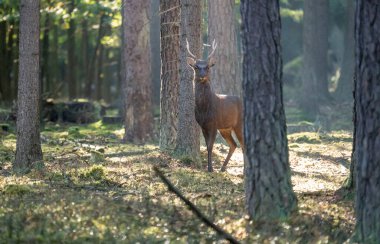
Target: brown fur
(215, 112)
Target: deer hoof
(223, 169)
(210, 170)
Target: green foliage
(95, 173)
(295, 15)
(74, 132)
(14, 189)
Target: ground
(92, 188)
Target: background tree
(71, 53)
(367, 141)
(345, 84)
(138, 117)
(269, 193)
(188, 129)
(221, 27)
(315, 46)
(170, 20)
(155, 27)
(28, 148)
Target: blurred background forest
(80, 52)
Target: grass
(90, 188)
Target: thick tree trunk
(188, 137)
(221, 25)
(315, 46)
(367, 141)
(345, 83)
(170, 20)
(268, 188)
(71, 55)
(28, 148)
(137, 89)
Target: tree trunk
(71, 57)
(221, 25)
(155, 49)
(11, 94)
(90, 86)
(45, 74)
(3, 61)
(367, 141)
(85, 56)
(269, 194)
(315, 46)
(28, 148)
(138, 119)
(15, 64)
(188, 136)
(99, 71)
(170, 19)
(345, 83)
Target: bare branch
(193, 208)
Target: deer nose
(202, 74)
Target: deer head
(200, 66)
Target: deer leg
(210, 139)
(226, 134)
(239, 134)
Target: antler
(188, 49)
(214, 45)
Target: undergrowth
(91, 188)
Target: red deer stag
(215, 112)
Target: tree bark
(315, 46)
(345, 83)
(137, 88)
(188, 140)
(268, 189)
(45, 74)
(28, 147)
(170, 20)
(221, 25)
(367, 142)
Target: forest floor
(91, 188)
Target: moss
(96, 173)
(14, 189)
(74, 133)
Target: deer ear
(190, 61)
(211, 62)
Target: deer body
(215, 112)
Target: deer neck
(204, 97)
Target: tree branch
(193, 208)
